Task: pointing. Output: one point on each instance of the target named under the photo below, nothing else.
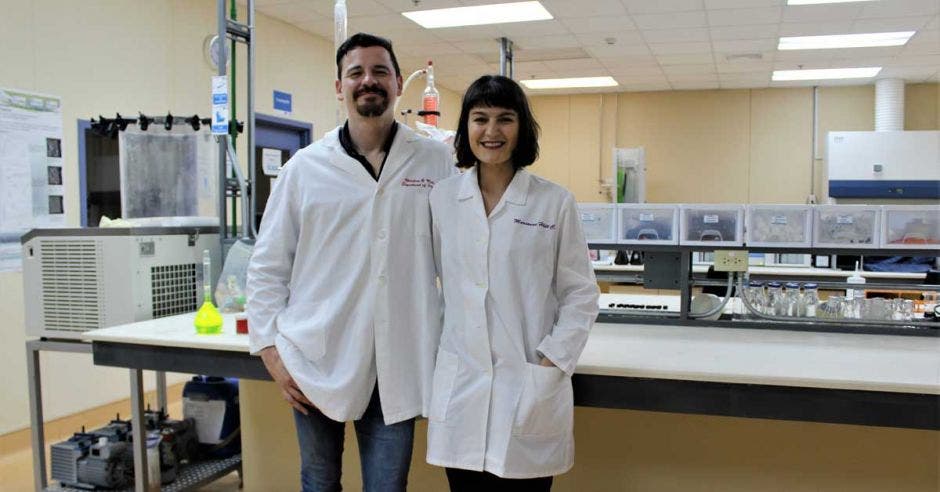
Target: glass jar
(792, 296)
(810, 300)
(755, 295)
(776, 304)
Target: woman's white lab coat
(518, 285)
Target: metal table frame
(36, 419)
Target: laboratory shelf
(190, 477)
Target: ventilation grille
(70, 285)
(64, 461)
(174, 289)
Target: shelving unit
(670, 267)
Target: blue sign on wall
(283, 101)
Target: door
(272, 135)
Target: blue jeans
(384, 450)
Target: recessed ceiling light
(816, 2)
(825, 73)
(569, 83)
(831, 41)
(477, 15)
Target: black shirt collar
(346, 141)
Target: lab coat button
(382, 234)
(381, 279)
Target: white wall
(107, 56)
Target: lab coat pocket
(445, 373)
(546, 405)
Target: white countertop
(770, 357)
(782, 271)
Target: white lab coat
(517, 285)
(342, 278)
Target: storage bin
(787, 226)
(910, 227)
(846, 226)
(598, 221)
(644, 223)
(711, 225)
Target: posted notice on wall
(32, 191)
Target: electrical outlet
(734, 260)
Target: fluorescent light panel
(569, 83)
(825, 73)
(816, 2)
(831, 41)
(478, 15)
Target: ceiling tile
(612, 39)
(478, 47)
(803, 55)
(737, 68)
(565, 9)
(755, 31)
(467, 33)
(380, 24)
(680, 48)
(814, 28)
(741, 4)
(694, 85)
(822, 13)
(900, 8)
(695, 71)
(637, 62)
(802, 65)
(661, 6)
(677, 35)
(684, 59)
(630, 78)
(353, 7)
(739, 17)
(908, 73)
(738, 77)
(587, 72)
(409, 5)
(745, 46)
(599, 24)
(654, 87)
(923, 43)
(890, 25)
(933, 24)
(910, 60)
(677, 20)
(576, 64)
(644, 72)
(427, 50)
(411, 37)
(744, 84)
(532, 28)
(547, 42)
(618, 50)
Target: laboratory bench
(843, 378)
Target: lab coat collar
(402, 148)
(516, 193)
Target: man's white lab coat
(518, 285)
(342, 278)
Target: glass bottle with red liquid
(430, 102)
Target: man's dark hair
(496, 91)
(363, 40)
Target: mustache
(371, 90)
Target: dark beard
(372, 109)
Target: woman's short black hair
(363, 40)
(496, 91)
